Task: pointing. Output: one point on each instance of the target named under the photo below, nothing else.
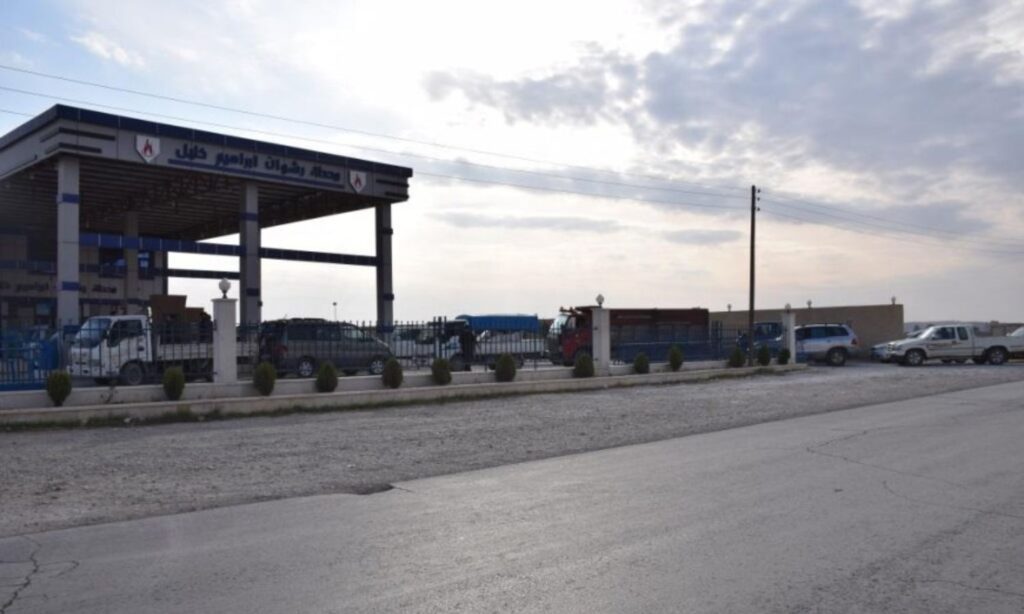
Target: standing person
(467, 342)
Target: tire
(376, 366)
(914, 358)
(305, 368)
(836, 357)
(132, 374)
(996, 356)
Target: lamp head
(224, 286)
(600, 300)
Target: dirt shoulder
(56, 479)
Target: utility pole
(750, 312)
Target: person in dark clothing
(467, 342)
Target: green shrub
(764, 356)
(505, 368)
(737, 358)
(641, 364)
(174, 383)
(392, 375)
(326, 377)
(783, 356)
(264, 378)
(675, 357)
(441, 372)
(58, 386)
(583, 365)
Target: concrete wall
(872, 323)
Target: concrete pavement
(915, 506)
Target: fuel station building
(91, 204)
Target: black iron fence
(297, 347)
(119, 350)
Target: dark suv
(300, 345)
(832, 343)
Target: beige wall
(872, 323)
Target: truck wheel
(836, 357)
(914, 358)
(132, 374)
(996, 356)
(306, 367)
(376, 366)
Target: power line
(293, 120)
(915, 240)
(368, 148)
(889, 227)
(785, 203)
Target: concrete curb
(254, 406)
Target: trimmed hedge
(392, 375)
(264, 377)
(641, 364)
(675, 357)
(784, 356)
(737, 358)
(441, 372)
(58, 387)
(764, 356)
(505, 368)
(326, 377)
(583, 366)
(174, 383)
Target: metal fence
(130, 351)
(27, 356)
(297, 347)
(655, 341)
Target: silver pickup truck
(953, 343)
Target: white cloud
(101, 46)
(864, 103)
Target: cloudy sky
(568, 148)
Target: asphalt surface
(59, 479)
(914, 506)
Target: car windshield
(559, 323)
(1018, 333)
(91, 332)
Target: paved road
(915, 506)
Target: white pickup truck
(129, 348)
(953, 343)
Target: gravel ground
(56, 479)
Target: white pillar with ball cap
(225, 345)
(68, 205)
(789, 332)
(601, 339)
(250, 291)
